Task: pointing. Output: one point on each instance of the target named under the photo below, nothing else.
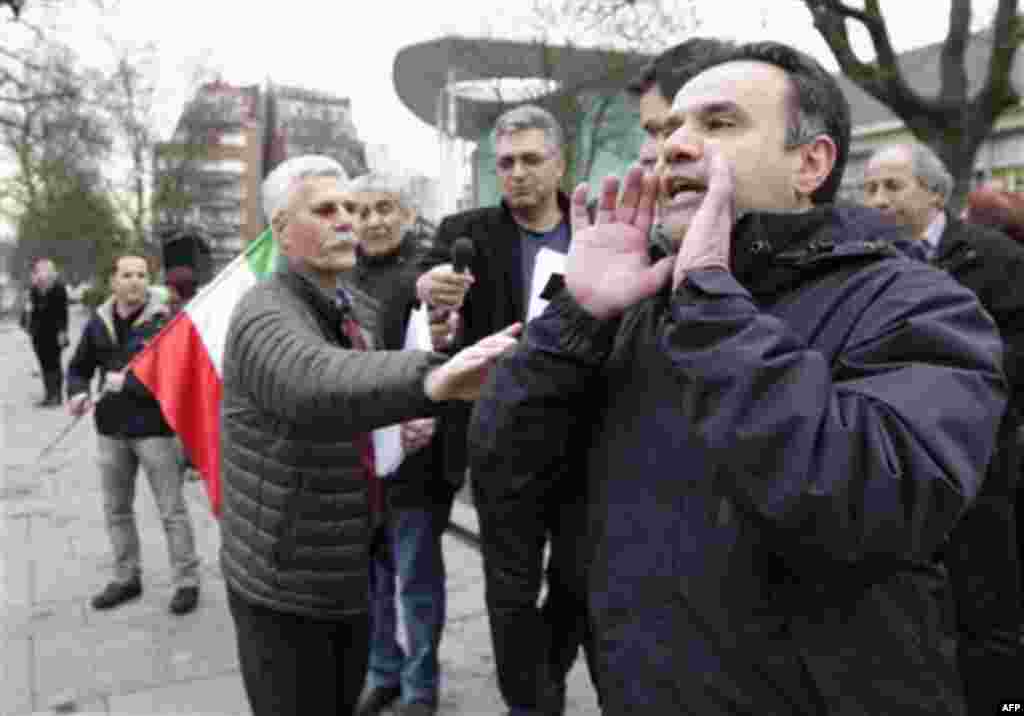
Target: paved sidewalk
(57, 655)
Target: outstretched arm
(288, 369)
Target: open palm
(608, 268)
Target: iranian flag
(182, 366)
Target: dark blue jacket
(774, 455)
(132, 412)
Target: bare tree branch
(14, 5)
(953, 73)
(998, 93)
(883, 79)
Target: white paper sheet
(387, 442)
(548, 263)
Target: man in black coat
(909, 183)
(46, 320)
(534, 648)
(407, 557)
(786, 417)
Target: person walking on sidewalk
(131, 430)
(302, 394)
(45, 318)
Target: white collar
(933, 234)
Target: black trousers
(534, 649)
(294, 665)
(47, 351)
(985, 577)
(984, 568)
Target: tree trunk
(958, 154)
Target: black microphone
(462, 254)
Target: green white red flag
(182, 366)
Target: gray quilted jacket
(296, 517)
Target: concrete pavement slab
(92, 661)
(15, 675)
(218, 696)
(43, 619)
(201, 644)
(16, 563)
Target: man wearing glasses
(519, 514)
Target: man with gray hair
(406, 556)
(519, 514)
(302, 394)
(909, 183)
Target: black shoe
(50, 401)
(117, 593)
(416, 708)
(184, 600)
(373, 701)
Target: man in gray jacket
(301, 495)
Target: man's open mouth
(677, 186)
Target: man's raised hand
(608, 268)
(463, 376)
(708, 239)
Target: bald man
(46, 320)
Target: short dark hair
(816, 104)
(672, 68)
(131, 254)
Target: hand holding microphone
(445, 286)
(463, 254)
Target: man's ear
(561, 166)
(816, 159)
(278, 222)
(408, 216)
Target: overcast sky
(348, 48)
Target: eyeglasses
(531, 162)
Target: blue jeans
(408, 552)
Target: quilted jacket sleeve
(279, 358)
